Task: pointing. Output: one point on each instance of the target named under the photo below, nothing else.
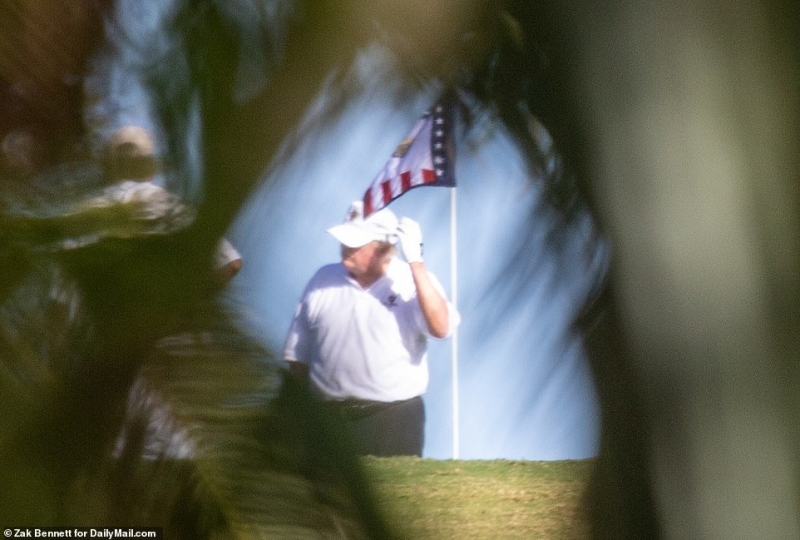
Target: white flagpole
(454, 337)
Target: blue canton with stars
(442, 152)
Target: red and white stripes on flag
(424, 158)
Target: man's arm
(298, 371)
(433, 304)
(294, 348)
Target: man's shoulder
(329, 274)
(332, 269)
(398, 268)
(399, 272)
(400, 277)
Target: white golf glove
(410, 236)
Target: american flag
(424, 158)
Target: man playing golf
(360, 331)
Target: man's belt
(355, 409)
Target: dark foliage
(124, 333)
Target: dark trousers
(384, 429)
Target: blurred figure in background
(227, 262)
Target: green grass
(472, 500)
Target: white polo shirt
(369, 343)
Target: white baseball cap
(356, 231)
